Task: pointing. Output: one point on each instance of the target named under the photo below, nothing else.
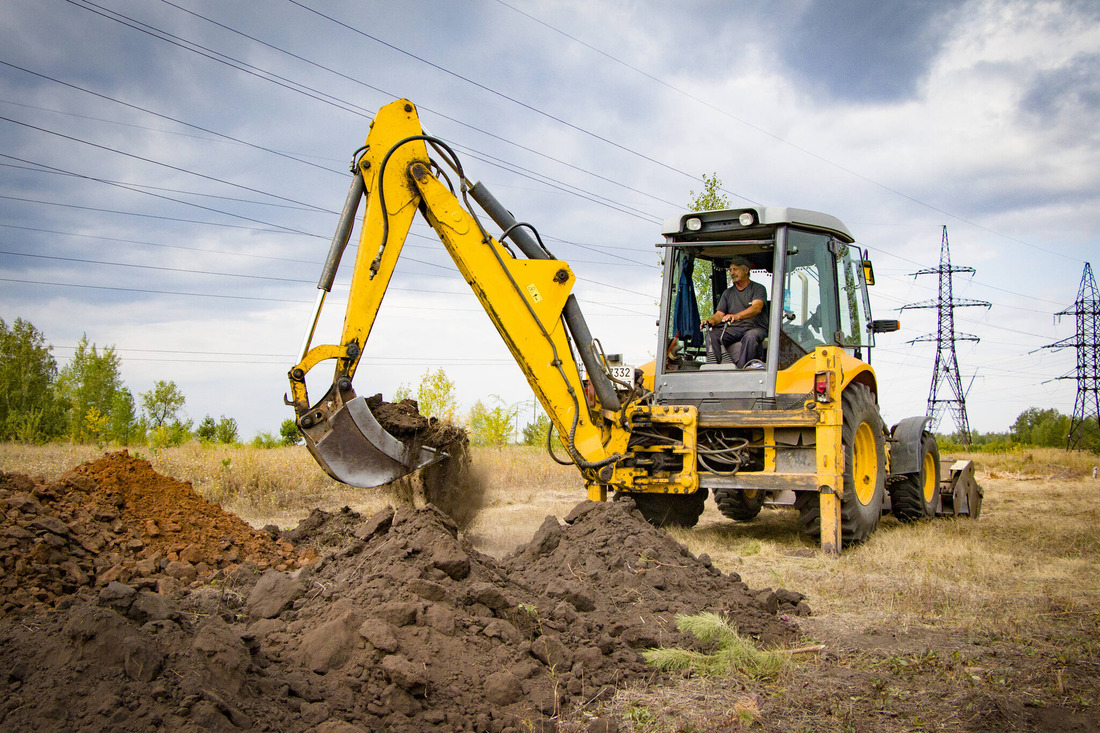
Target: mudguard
(905, 448)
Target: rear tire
(864, 471)
(669, 510)
(914, 497)
(739, 505)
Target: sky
(171, 174)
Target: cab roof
(726, 224)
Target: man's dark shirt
(735, 301)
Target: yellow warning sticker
(535, 294)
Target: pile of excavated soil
(608, 559)
(401, 625)
(117, 519)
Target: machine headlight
(747, 219)
(693, 224)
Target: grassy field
(941, 625)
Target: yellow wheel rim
(750, 494)
(864, 464)
(929, 477)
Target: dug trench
(130, 603)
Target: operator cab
(822, 299)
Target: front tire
(915, 496)
(741, 505)
(669, 510)
(864, 444)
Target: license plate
(625, 373)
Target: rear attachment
(960, 492)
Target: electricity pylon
(946, 368)
(1086, 310)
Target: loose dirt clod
(399, 625)
(403, 420)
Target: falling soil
(449, 484)
(346, 623)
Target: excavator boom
(528, 300)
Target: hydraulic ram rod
(335, 252)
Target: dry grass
(277, 486)
(1034, 552)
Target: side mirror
(869, 273)
(885, 326)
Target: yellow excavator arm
(528, 299)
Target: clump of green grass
(733, 654)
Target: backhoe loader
(802, 429)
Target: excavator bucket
(352, 447)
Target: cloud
(1068, 95)
(977, 113)
(864, 50)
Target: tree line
(1035, 427)
(498, 425)
(86, 401)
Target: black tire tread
(907, 496)
(737, 505)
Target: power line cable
(159, 217)
(135, 189)
(157, 244)
(157, 162)
(267, 75)
(214, 56)
(288, 301)
(511, 99)
(172, 119)
(35, 167)
(488, 158)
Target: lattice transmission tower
(1086, 310)
(946, 368)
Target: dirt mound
(402, 625)
(608, 559)
(118, 519)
